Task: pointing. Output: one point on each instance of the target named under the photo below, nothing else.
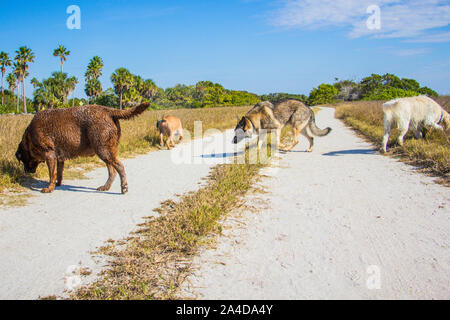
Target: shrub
(325, 93)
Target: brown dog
(54, 136)
(170, 126)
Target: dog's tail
(315, 129)
(130, 113)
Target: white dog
(414, 112)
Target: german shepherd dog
(170, 126)
(54, 136)
(266, 116)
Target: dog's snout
(239, 135)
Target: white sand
(328, 218)
(43, 242)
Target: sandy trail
(340, 223)
(328, 217)
(42, 243)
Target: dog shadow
(222, 155)
(351, 152)
(225, 155)
(70, 188)
(37, 185)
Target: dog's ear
(248, 125)
(18, 156)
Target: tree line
(374, 87)
(129, 89)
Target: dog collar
(442, 118)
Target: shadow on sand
(222, 155)
(37, 185)
(349, 152)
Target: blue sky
(254, 45)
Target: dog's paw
(309, 150)
(102, 188)
(59, 184)
(47, 190)
(124, 189)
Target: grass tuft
(153, 263)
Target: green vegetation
(130, 89)
(204, 94)
(62, 53)
(375, 87)
(93, 87)
(390, 86)
(5, 62)
(278, 97)
(24, 56)
(54, 91)
(325, 93)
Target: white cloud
(411, 52)
(432, 38)
(399, 18)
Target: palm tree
(148, 89)
(12, 82)
(62, 85)
(23, 57)
(93, 89)
(17, 72)
(122, 80)
(62, 53)
(94, 69)
(5, 61)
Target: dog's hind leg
(180, 135)
(168, 143)
(161, 140)
(171, 140)
(60, 173)
(111, 177)
(403, 127)
(387, 131)
(295, 133)
(123, 177)
(279, 144)
(310, 139)
(51, 163)
(110, 158)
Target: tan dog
(170, 126)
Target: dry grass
(431, 153)
(154, 262)
(138, 136)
